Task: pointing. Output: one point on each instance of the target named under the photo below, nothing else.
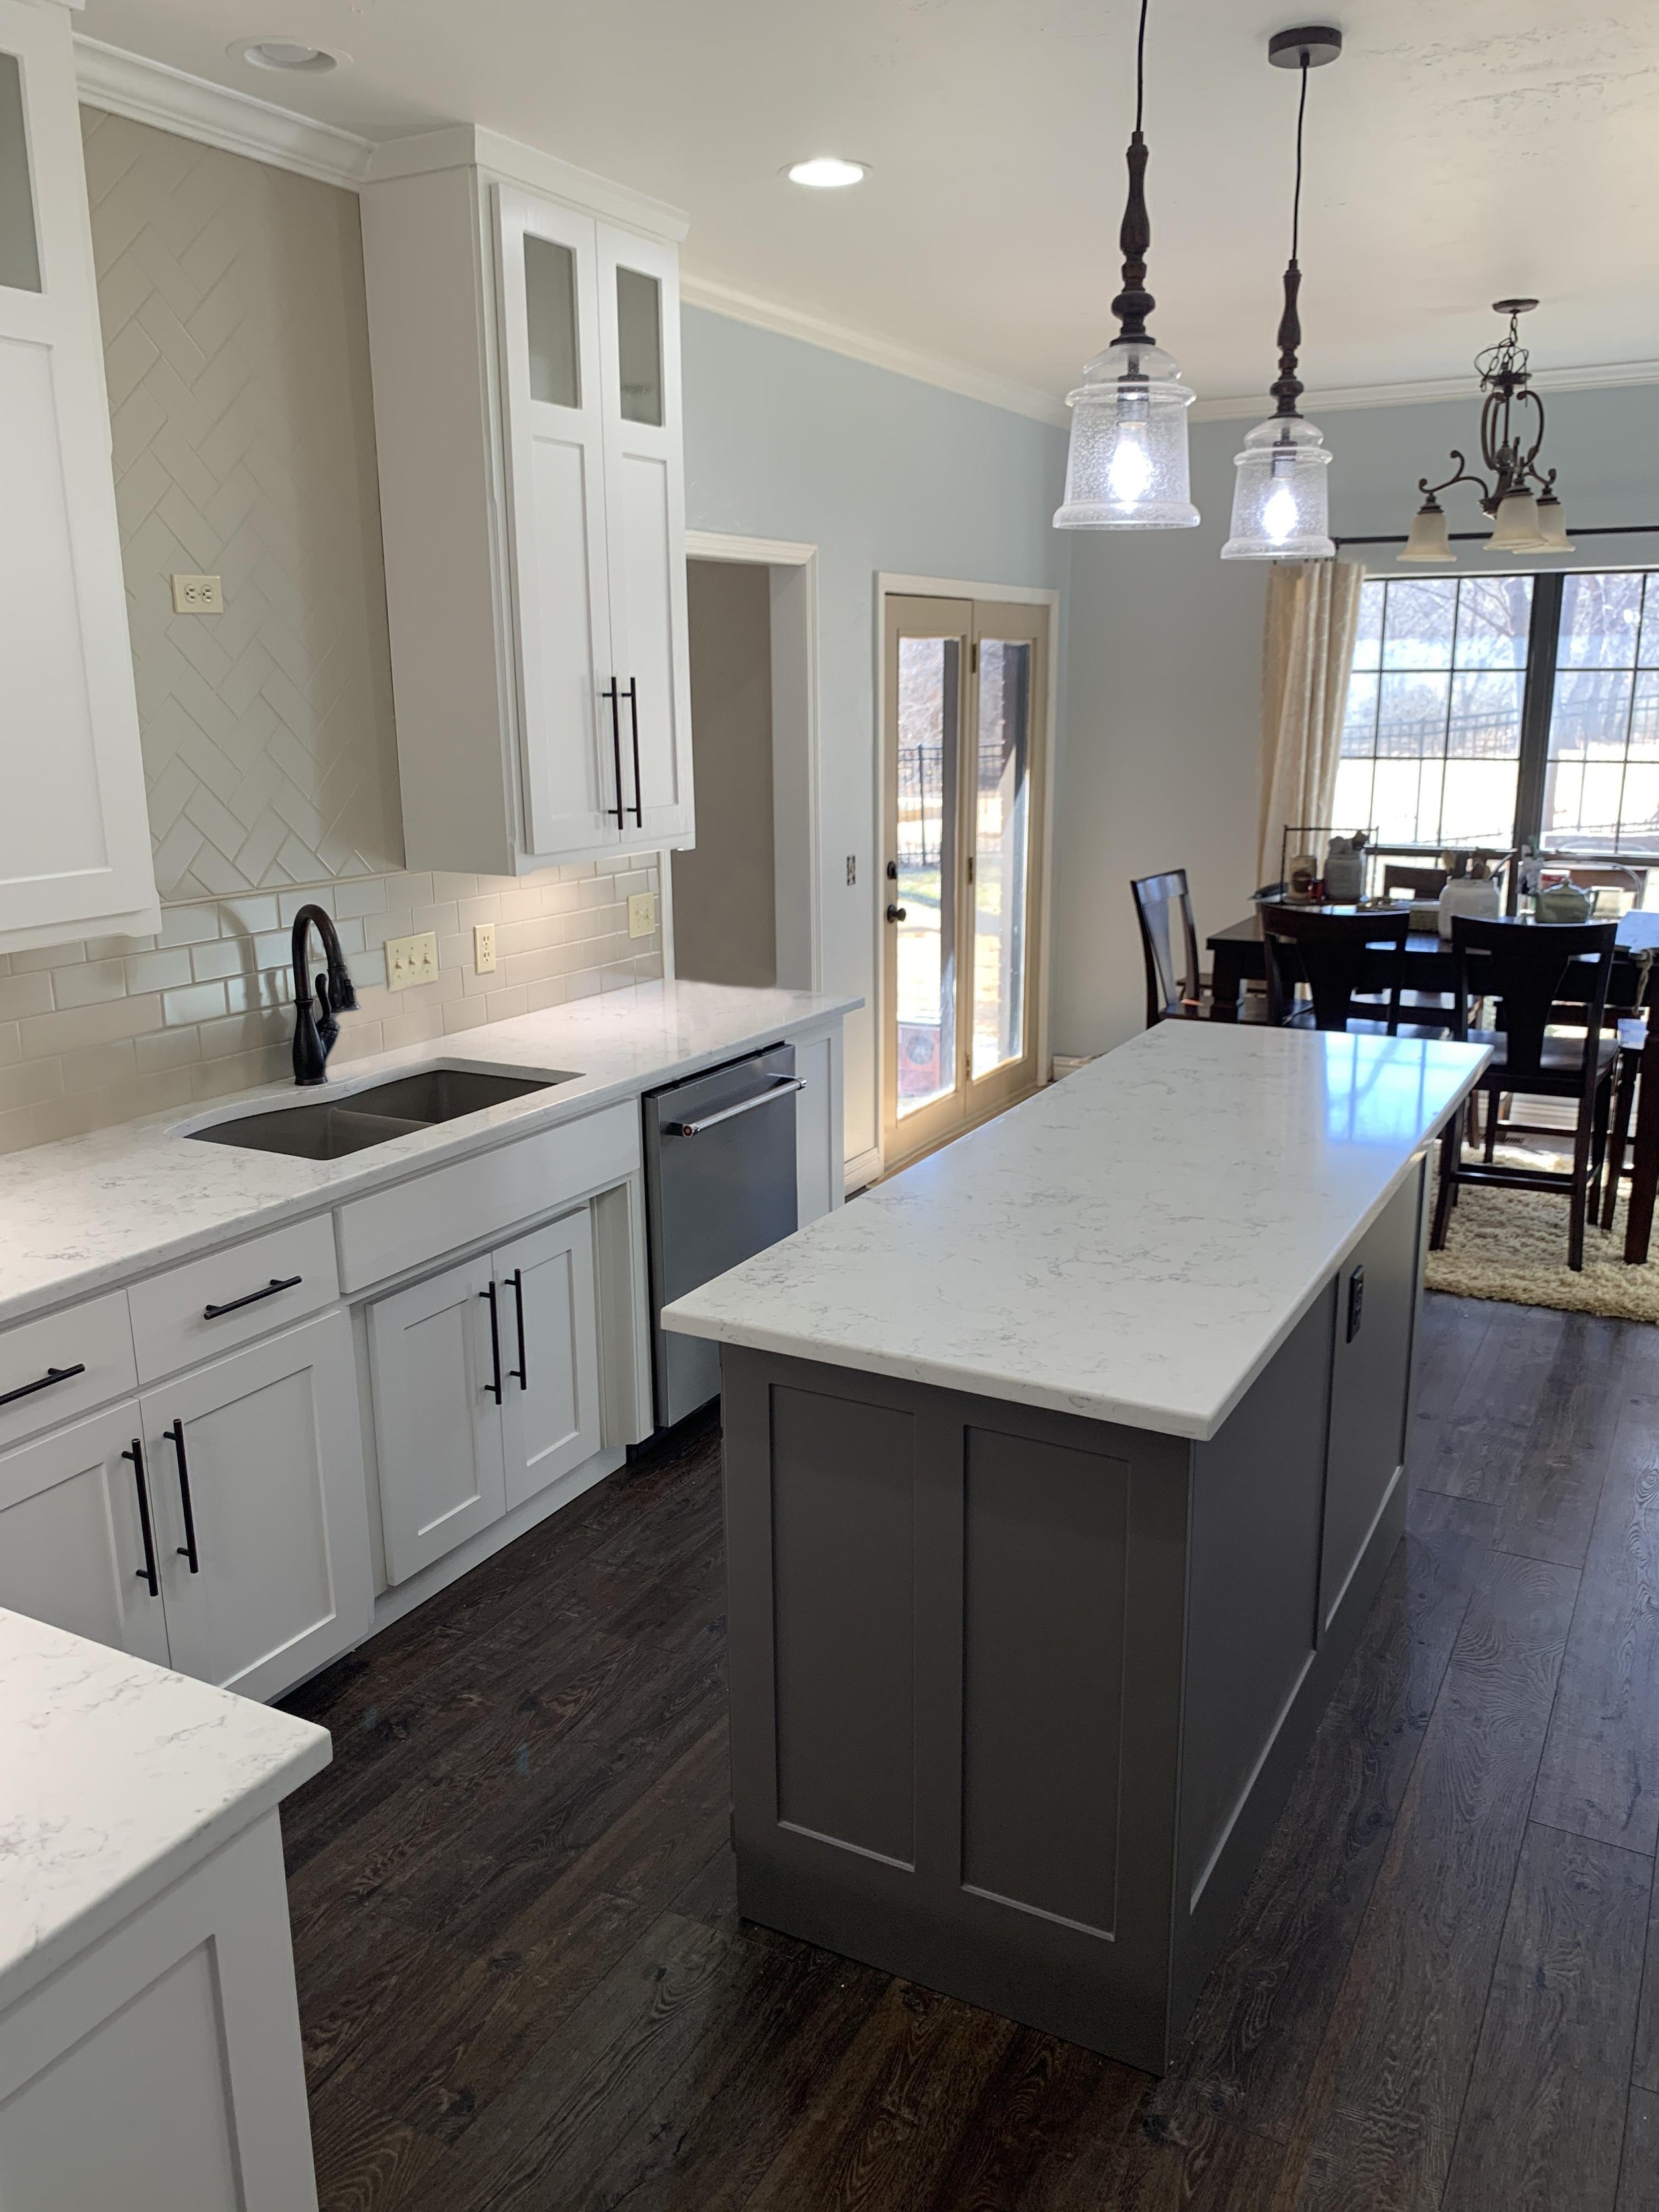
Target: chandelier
(1524, 520)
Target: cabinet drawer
(95, 1338)
(175, 1323)
(392, 1230)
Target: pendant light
(1126, 466)
(1279, 499)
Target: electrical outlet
(484, 948)
(198, 595)
(642, 913)
(410, 960)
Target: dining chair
(1520, 967)
(1421, 883)
(1353, 965)
(1169, 945)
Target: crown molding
(468, 145)
(937, 369)
(149, 92)
(1608, 376)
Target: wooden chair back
(1421, 883)
(1521, 966)
(1339, 954)
(1168, 945)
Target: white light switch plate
(198, 595)
(642, 913)
(411, 960)
(484, 948)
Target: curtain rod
(1457, 536)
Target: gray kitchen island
(1060, 1472)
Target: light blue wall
(786, 441)
(1162, 747)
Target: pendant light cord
(1140, 68)
(1296, 197)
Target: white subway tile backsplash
(104, 1029)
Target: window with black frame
(1491, 711)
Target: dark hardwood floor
(523, 1983)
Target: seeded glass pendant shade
(1280, 504)
(1125, 468)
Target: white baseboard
(863, 1168)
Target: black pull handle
(522, 1371)
(896, 913)
(495, 1387)
(252, 1297)
(146, 1573)
(175, 1437)
(44, 1381)
(613, 694)
(633, 709)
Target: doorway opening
(964, 836)
(743, 900)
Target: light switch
(410, 960)
(198, 595)
(642, 913)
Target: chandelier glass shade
(1527, 515)
(1126, 465)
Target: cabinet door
(644, 511)
(550, 342)
(74, 833)
(256, 1468)
(437, 1423)
(551, 1411)
(72, 1545)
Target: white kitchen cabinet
(77, 1535)
(550, 1397)
(486, 1388)
(256, 1477)
(526, 366)
(436, 1368)
(75, 850)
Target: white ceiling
(1460, 149)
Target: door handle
(613, 694)
(146, 1573)
(896, 913)
(633, 709)
(522, 1371)
(495, 1387)
(175, 1437)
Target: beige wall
(236, 353)
(725, 917)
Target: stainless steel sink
(331, 1129)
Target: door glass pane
(1001, 852)
(549, 294)
(929, 717)
(639, 345)
(20, 252)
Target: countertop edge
(151, 1878)
(440, 1150)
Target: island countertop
(1133, 1244)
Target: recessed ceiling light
(827, 173)
(291, 54)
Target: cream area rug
(1512, 1245)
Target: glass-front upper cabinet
(75, 850)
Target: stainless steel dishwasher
(719, 1185)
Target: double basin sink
(329, 1129)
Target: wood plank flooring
(523, 1983)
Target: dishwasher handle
(781, 1086)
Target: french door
(964, 718)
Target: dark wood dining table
(1238, 957)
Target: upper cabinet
(75, 849)
(525, 353)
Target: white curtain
(1313, 611)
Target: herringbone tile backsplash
(236, 350)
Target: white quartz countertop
(116, 1777)
(1133, 1244)
(90, 1212)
